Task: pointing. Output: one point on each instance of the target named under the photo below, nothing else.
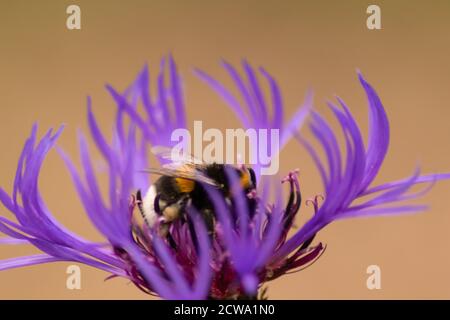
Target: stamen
(315, 202)
(252, 194)
(291, 176)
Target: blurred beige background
(46, 71)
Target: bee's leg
(208, 219)
(192, 232)
(187, 202)
(172, 242)
(164, 232)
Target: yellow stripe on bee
(245, 180)
(185, 185)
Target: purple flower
(247, 243)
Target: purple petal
(257, 95)
(26, 261)
(296, 121)
(381, 211)
(378, 133)
(226, 95)
(12, 241)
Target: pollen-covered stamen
(291, 175)
(295, 199)
(252, 194)
(305, 254)
(315, 203)
(132, 203)
(303, 259)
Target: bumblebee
(182, 184)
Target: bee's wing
(183, 166)
(166, 153)
(180, 172)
